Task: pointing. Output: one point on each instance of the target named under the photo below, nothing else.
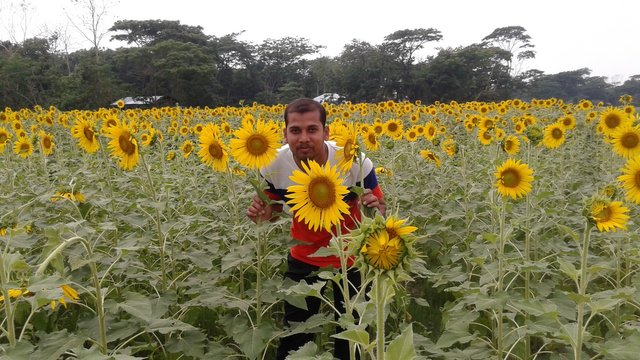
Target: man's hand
(259, 211)
(371, 201)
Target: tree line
(169, 58)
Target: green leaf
(53, 345)
(358, 336)
(568, 269)
(621, 349)
(137, 305)
(309, 351)
(401, 348)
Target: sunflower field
(510, 233)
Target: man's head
(304, 105)
(305, 131)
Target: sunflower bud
(534, 134)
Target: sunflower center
(88, 133)
(392, 127)
(508, 145)
(322, 192)
(604, 214)
(24, 147)
(46, 142)
(127, 146)
(510, 178)
(486, 135)
(630, 140)
(256, 144)
(612, 121)
(215, 150)
(432, 131)
(372, 138)
(392, 233)
(566, 121)
(3, 138)
(637, 179)
(556, 133)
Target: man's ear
(285, 135)
(326, 133)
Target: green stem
(380, 331)
(110, 186)
(527, 259)
(161, 239)
(102, 327)
(582, 290)
(500, 281)
(8, 305)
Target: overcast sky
(567, 34)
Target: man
(306, 136)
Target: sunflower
(72, 196)
(384, 171)
(255, 146)
(514, 178)
(120, 104)
(484, 136)
(511, 145)
(412, 135)
(553, 136)
(68, 294)
(381, 251)
(630, 180)
(15, 293)
(213, 152)
(613, 118)
(449, 147)
(4, 138)
(431, 157)
(393, 129)
(83, 131)
(171, 155)
(626, 141)
(317, 199)
(123, 146)
(347, 140)
(609, 215)
(395, 227)
(383, 244)
(46, 143)
(568, 122)
(23, 147)
(371, 140)
(430, 131)
(186, 148)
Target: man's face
(305, 136)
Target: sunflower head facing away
(384, 245)
(513, 179)
(317, 196)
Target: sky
(567, 34)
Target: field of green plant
(124, 234)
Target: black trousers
(296, 271)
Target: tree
(89, 22)
(363, 71)
(467, 73)
(514, 40)
(149, 32)
(403, 44)
(283, 61)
